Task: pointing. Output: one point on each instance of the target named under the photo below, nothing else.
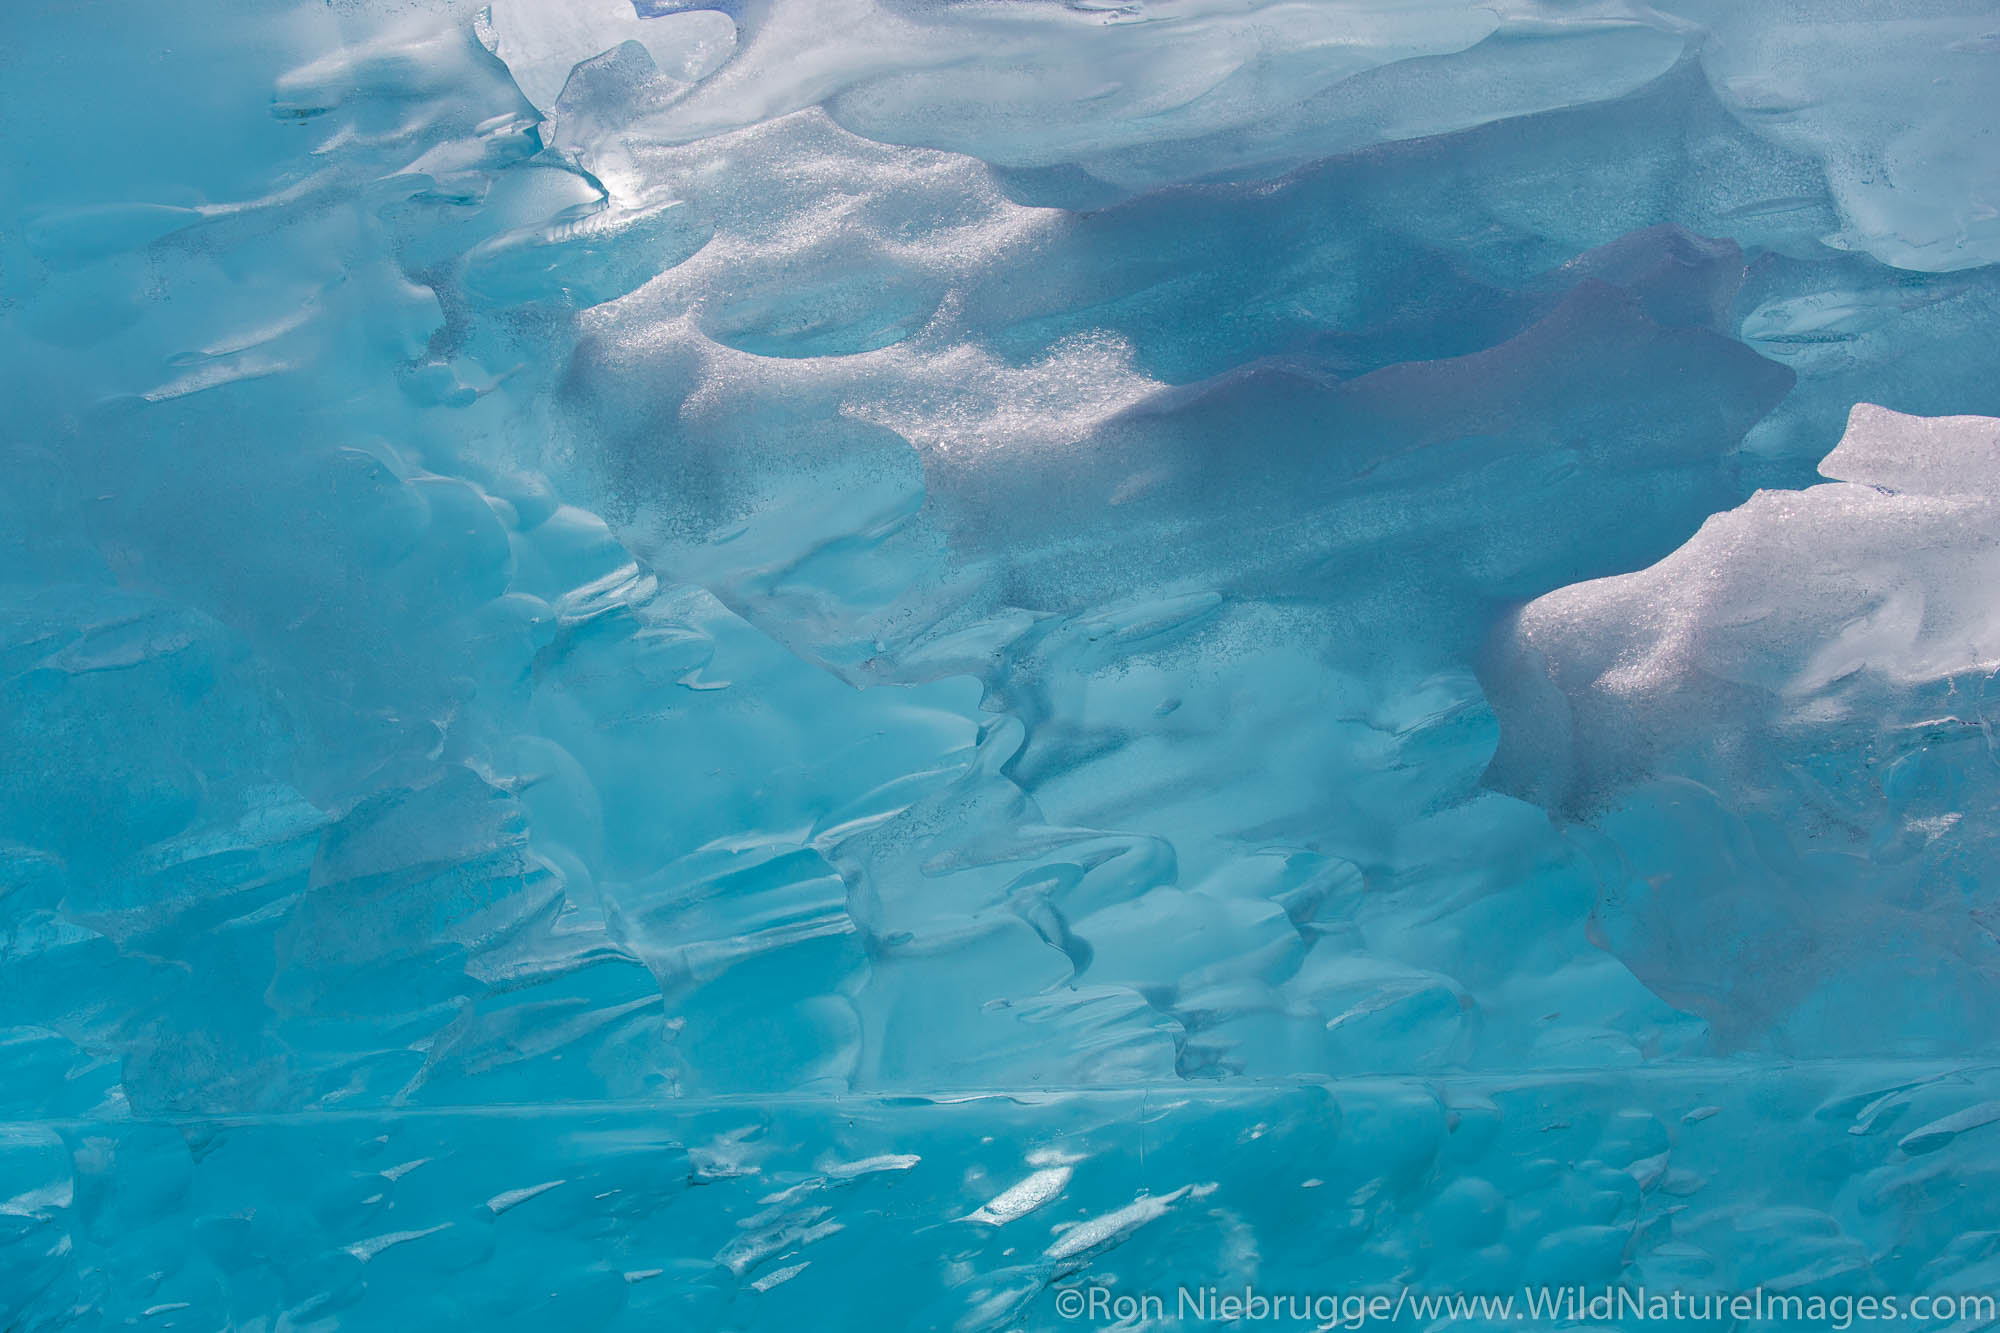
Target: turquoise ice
(871, 664)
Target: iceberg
(946, 664)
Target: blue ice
(927, 664)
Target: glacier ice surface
(857, 663)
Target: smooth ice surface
(859, 663)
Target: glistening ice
(990, 665)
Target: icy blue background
(832, 663)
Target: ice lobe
(1337, 458)
(1781, 730)
(1135, 96)
(1141, 95)
(1909, 455)
(1796, 610)
(1915, 185)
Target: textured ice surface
(1783, 729)
(854, 663)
